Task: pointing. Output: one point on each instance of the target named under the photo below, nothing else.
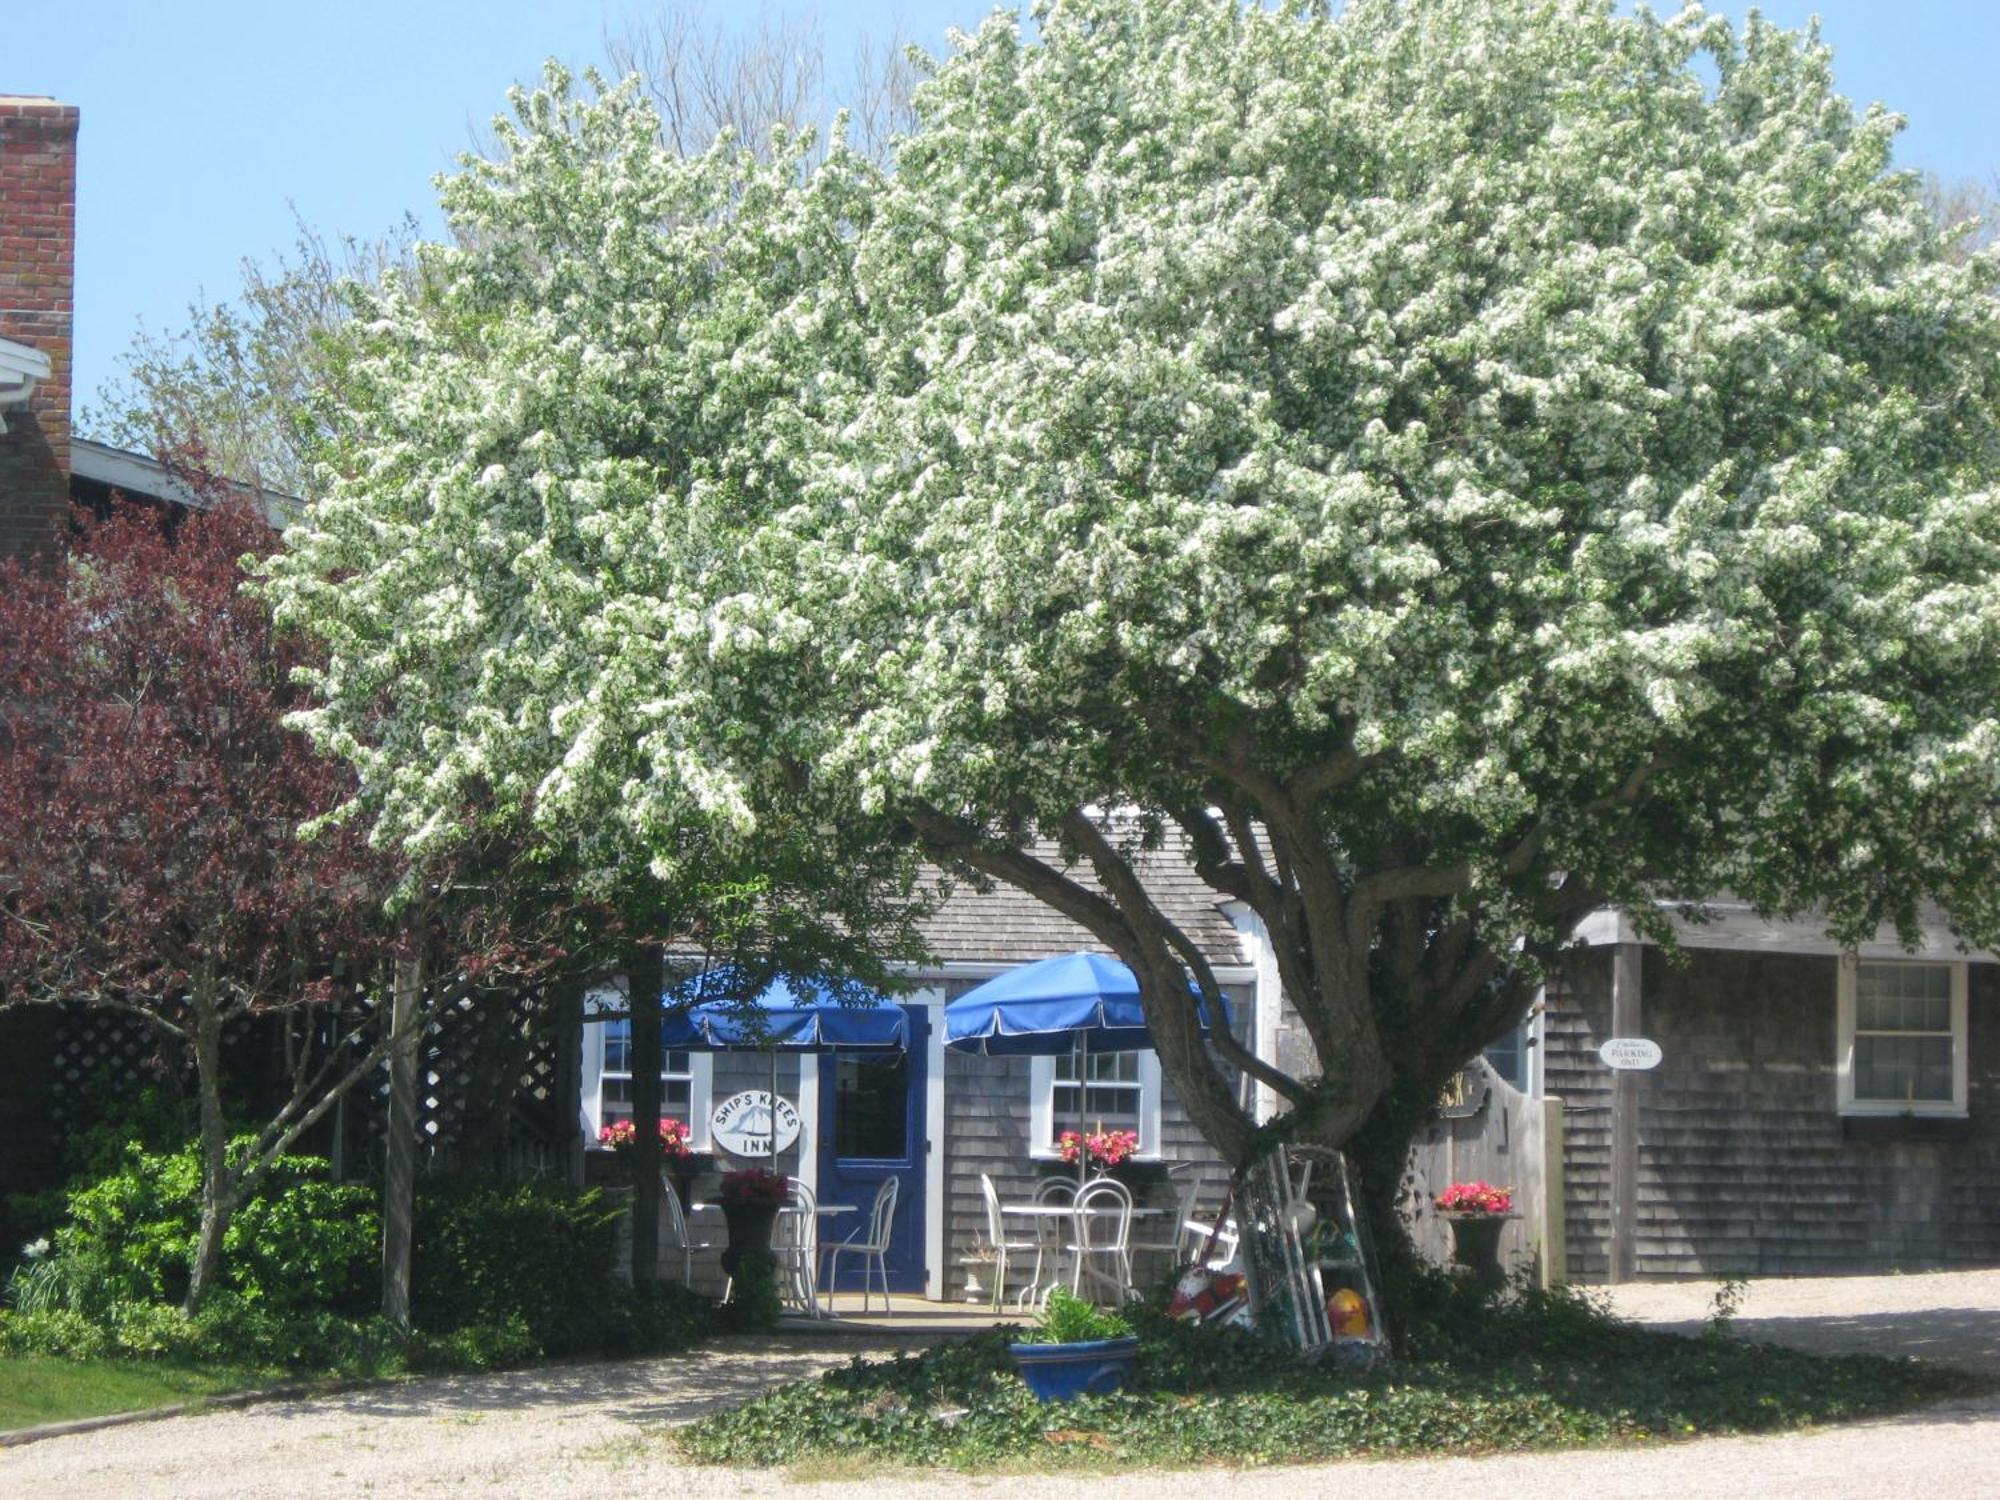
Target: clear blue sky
(205, 120)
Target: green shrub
(661, 1317)
(1068, 1319)
(299, 1241)
(311, 1244)
(753, 1305)
(487, 1252)
(503, 1273)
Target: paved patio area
(588, 1430)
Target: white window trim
(1955, 1108)
(701, 1078)
(1041, 1107)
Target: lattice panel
(98, 1055)
(486, 1083)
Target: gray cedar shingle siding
(1744, 1167)
(1007, 925)
(1577, 1020)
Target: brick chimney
(37, 310)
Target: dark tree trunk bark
(400, 1175)
(646, 975)
(218, 1187)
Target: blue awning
(796, 1015)
(1043, 1008)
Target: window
(872, 1106)
(607, 1081)
(1100, 1088)
(1902, 1038)
(1118, 1090)
(1509, 1057)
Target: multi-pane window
(615, 1078)
(1905, 1038)
(1097, 1089)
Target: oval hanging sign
(1630, 1052)
(742, 1123)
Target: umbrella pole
(1082, 1108)
(774, 1111)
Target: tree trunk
(646, 981)
(218, 1185)
(400, 1169)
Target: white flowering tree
(1459, 464)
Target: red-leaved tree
(150, 804)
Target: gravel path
(585, 1431)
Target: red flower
(1475, 1198)
(754, 1185)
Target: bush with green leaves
(1068, 1319)
(300, 1241)
(488, 1251)
(503, 1273)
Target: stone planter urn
(1475, 1246)
(750, 1223)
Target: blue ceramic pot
(1062, 1372)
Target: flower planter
(1062, 1372)
(1475, 1246)
(750, 1224)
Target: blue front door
(871, 1127)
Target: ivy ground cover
(1552, 1374)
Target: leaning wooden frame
(1307, 1255)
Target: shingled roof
(1007, 925)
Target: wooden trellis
(99, 1051)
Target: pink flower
(1475, 1198)
(676, 1140)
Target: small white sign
(1630, 1052)
(741, 1124)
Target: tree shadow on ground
(669, 1388)
(1968, 1337)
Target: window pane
(617, 1046)
(1902, 997)
(1903, 1069)
(871, 1107)
(1509, 1057)
(1105, 1067)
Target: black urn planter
(750, 1224)
(1475, 1246)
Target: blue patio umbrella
(1076, 1002)
(790, 1014)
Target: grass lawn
(1554, 1373)
(34, 1390)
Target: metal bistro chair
(675, 1226)
(795, 1243)
(1101, 1252)
(1171, 1248)
(1003, 1248)
(875, 1248)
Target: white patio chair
(1101, 1252)
(674, 1234)
(795, 1243)
(1003, 1249)
(1171, 1246)
(874, 1247)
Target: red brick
(37, 288)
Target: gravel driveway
(589, 1430)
